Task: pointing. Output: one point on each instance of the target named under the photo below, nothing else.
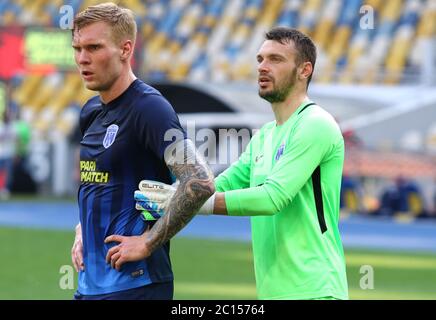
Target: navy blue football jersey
(123, 143)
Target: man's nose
(263, 67)
(83, 57)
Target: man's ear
(126, 50)
(305, 70)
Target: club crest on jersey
(280, 151)
(111, 133)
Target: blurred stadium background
(375, 72)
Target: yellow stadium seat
(375, 4)
(35, 8)
(174, 47)
(88, 3)
(310, 6)
(354, 53)
(209, 21)
(136, 6)
(200, 38)
(242, 32)
(396, 61)
(60, 99)
(251, 13)
(391, 10)
(339, 43)
(157, 43)
(21, 3)
(27, 89)
(8, 18)
(427, 24)
(268, 17)
(57, 3)
(323, 32)
(45, 93)
(313, 5)
(242, 71)
(180, 72)
(147, 30)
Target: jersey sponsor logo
(280, 151)
(111, 133)
(89, 173)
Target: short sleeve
(237, 176)
(156, 124)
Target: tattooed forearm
(196, 186)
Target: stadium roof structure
(381, 116)
(404, 120)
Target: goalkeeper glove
(153, 199)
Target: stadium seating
(216, 40)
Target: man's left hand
(133, 248)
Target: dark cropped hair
(305, 47)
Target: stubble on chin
(274, 96)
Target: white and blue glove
(153, 199)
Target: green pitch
(204, 269)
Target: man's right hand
(77, 250)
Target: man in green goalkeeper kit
(288, 180)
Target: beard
(280, 93)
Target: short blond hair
(121, 20)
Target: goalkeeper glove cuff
(207, 208)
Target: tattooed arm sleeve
(196, 186)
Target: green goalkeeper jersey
(288, 179)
